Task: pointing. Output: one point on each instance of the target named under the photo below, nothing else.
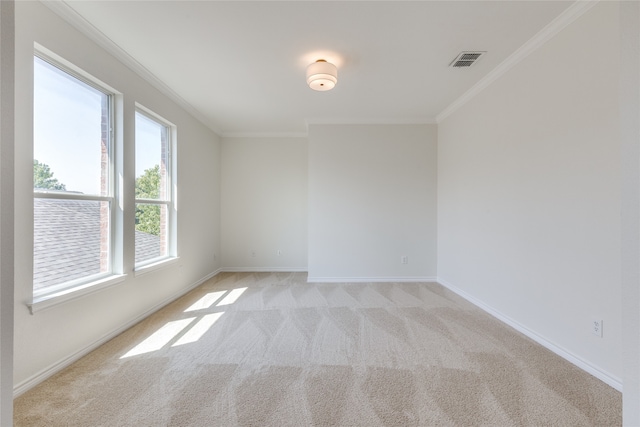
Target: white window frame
(170, 200)
(52, 295)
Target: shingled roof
(66, 242)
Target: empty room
(328, 213)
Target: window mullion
(153, 202)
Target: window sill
(148, 268)
(46, 301)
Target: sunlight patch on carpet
(160, 338)
(232, 297)
(206, 301)
(199, 329)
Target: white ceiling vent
(466, 59)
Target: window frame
(51, 295)
(170, 196)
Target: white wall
(372, 200)
(264, 204)
(630, 121)
(6, 209)
(529, 193)
(47, 339)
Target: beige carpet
(271, 350)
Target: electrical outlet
(404, 259)
(596, 327)
(253, 254)
(279, 252)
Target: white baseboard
(602, 375)
(209, 276)
(36, 379)
(264, 270)
(580, 363)
(313, 279)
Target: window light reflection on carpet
(199, 329)
(232, 296)
(206, 301)
(160, 338)
(171, 330)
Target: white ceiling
(242, 64)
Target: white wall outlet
(253, 254)
(279, 252)
(596, 327)
(404, 259)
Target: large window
(154, 195)
(72, 179)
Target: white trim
(36, 379)
(573, 12)
(153, 266)
(171, 175)
(340, 121)
(329, 121)
(264, 134)
(312, 279)
(153, 202)
(66, 12)
(604, 376)
(264, 270)
(68, 294)
(153, 116)
(72, 69)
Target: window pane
(70, 133)
(151, 159)
(151, 231)
(71, 240)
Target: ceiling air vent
(466, 59)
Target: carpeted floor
(272, 350)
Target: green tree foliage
(148, 187)
(43, 178)
(148, 184)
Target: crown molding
(338, 121)
(427, 121)
(68, 14)
(334, 121)
(573, 12)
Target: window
(72, 180)
(154, 195)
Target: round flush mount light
(322, 75)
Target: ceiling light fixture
(322, 75)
